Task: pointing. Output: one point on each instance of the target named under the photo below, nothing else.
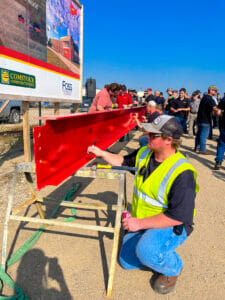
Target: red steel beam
(60, 146)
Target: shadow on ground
(33, 272)
(10, 147)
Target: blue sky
(157, 44)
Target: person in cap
(199, 94)
(134, 97)
(152, 112)
(163, 203)
(150, 96)
(204, 119)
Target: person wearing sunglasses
(163, 203)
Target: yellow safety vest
(150, 197)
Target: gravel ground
(74, 264)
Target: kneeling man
(163, 202)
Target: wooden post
(39, 112)
(26, 131)
(116, 236)
(75, 107)
(4, 105)
(56, 108)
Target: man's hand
(100, 108)
(111, 158)
(95, 150)
(157, 221)
(131, 224)
(219, 112)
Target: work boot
(204, 153)
(164, 284)
(217, 165)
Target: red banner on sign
(60, 146)
(73, 10)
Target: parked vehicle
(11, 112)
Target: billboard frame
(8, 96)
(26, 99)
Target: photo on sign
(63, 25)
(48, 30)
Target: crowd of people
(165, 183)
(204, 112)
(198, 114)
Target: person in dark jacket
(204, 119)
(221, 142)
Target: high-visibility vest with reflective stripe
(151, 196)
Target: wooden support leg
(113, 260)
(75, 107)
(30, 183)
(125, 192)
(116, 237)
(26, 203)
(9, 208)
(31, 187)
(26, 131)
(56, 108)
(40, 210)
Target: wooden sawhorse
(28, 169)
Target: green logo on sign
(18, 79)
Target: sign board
(41, 50)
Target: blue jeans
(220, 146)
(210, 131)
(201, 137)
(154, 248)
(143, 140)
(183, 123)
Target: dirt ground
(68, 263)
